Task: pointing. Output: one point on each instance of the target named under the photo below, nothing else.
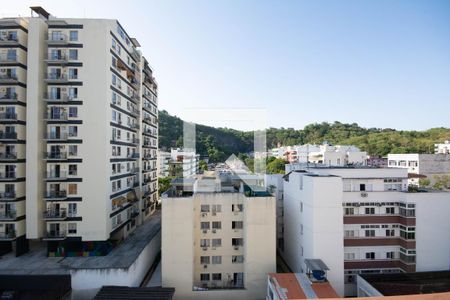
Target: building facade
(89, 101)
(432, 166)
(363, 220)
(227, 241)
(443, 148)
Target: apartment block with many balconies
(362, 220)
(217, 240)
(13, 85)
(91, 136)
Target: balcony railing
(8, 175)
(11, 234)
(56, 116)
(55, 234)
(56, 175)
(5, 196)
(59, 97)
(8, 116)
(8, 96)
(55, 194)
(55, 136)
(133, 155)
(55, 155)
(8, 155)
(56, 58)
(55, 214)
(6, 59)
(9, 39)
(8, 215)
(55, 77)
(8, 78)
(57, 39)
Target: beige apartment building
(78, 136)
(218, 241)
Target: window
(237, 259)
(73, 112)
(72, 228)
(73, 73)
(301, 229)
(362, 187)
(390, 232)
(216, 242)
(73, 150)
(370, 255)
(390, 210)
(73, 34)
(370, 210)
(204, 225)
(73, 131)
(72, 209)
(349, 256)
(237, 242)
(73, 54)
(301, 206)
(216, 276)
(114, 80)
(217, 225)
(237, 207)
(237, 224)
(204, 277)
(73, 93)
(390, 255)
(73, 170)
(349, 211)
(72, 189)
(204, 260)
(204, 208)
(370, 233)
(204, 243)
(349, 233)
(216, 208)
(216, 260)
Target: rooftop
(409, 283)
(36, 262)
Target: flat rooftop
(36, 262)
(409, 283)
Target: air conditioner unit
(364, 194)
(214, 214)
(205, 231)
(214, 231)
(205, 266)
(236, 247)
(204, 214)
(205, 248)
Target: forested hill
(220, 143)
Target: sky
(376, 63)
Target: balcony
(57, 39)
(8, 215)
(55, 235)
(133, 155)
(8, 78)
(55, 214)
(54, 136)
(8, 175)
(55, 195)
(55, 78)
(135, 141)
(56, 58)
(9, 40)
(8, 97)
(56, 116)
(8, 116)
(59, 97)
(8, 236)
(134, 170)
(8, 135)
(8, 156)
(55, 155)
(56, 176)
(8, 196)
(8, 59)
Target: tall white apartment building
(429, 165)
(363, 220)
(218, 239)
(78, 134)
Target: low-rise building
(443, 148)
(430, 165)
(363, 220)
(218, 239)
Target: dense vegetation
(219, 143)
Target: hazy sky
(377, 63)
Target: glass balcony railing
(10, 234)
(62, 116)
(57, 38)
(8, 78)
(5, 196)
(8, 155)
(59, 97)
(56, 175)
(8, 96)
(6, 59)
(8, 116)
(55, 214)
(55, 77)
(55, 234)
(8, 135)
(56, 136)
(8, 175)
(55, 194)
(55, 155)
(8, 215)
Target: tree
(425, 182)
(164, 184)
(276, 166)
(202, 165)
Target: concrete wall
(87, 282)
